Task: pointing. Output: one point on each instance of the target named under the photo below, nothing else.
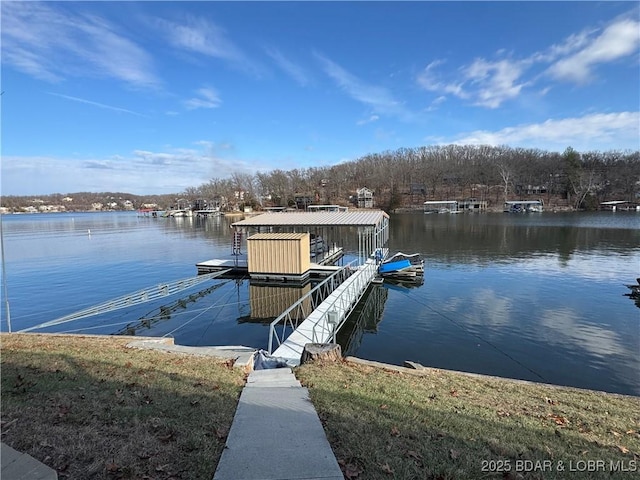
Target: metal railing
(339, 308)
(289, 320)
(135, 298)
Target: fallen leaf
(560, 420)
(413, 454)
(623, 449)
(384, 407)
(630, 432)
(453, 393)
(352, 471)
(166, 438)
(394, 431)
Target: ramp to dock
(323, 323)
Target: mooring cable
(460, 326)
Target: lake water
(537, 297)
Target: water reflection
(149, 321)
(268, 302)
(508, 238)
(364, 319)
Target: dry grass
(445, 425)
(91, 408)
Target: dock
(327, 318)
(238, 268)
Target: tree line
(409, 176)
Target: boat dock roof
(359, 218)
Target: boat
(523, 206)
(402, 265)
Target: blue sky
(154, 97)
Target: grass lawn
(91, 408)
(437, 424)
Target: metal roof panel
(289, 219)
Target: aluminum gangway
(135, 298)
(326, 319)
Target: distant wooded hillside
(410, 176)
(404, 178)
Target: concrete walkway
(20, 466)
(276, 433)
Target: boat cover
(394, 266)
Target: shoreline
(243, 358)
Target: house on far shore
(364, 198)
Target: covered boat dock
(372, 227)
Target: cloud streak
(378, 98)
(51, 44)
(293, 70)
(207, 97)
(582, 133)
(96, 104)
(142, 171)
(618, 40)
(203, 37)
(491, 82)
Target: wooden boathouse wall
(279, 253)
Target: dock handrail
(135, 298)
(297, 312)
(342, 305)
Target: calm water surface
(537, 297)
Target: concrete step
(279, 377)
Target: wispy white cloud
(618, 40)
(485, 83)
(370, 119)
(437, 101)
(491, 82)
(51, 43)
(96, 104)
(170, 170)
(430, 80)
(495, 82)
(207, 97)
(378, 98)
(293, 70)
(591, 132)
(201, 36)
